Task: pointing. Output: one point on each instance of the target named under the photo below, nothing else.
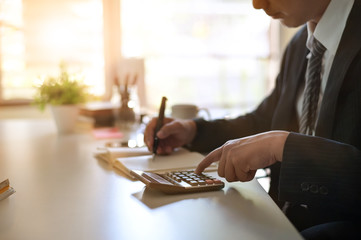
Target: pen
(158, 125)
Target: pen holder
(126, 114)
(126, 119)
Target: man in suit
(316, 175)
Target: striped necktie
(312, 89)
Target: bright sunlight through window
(211, 52)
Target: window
(12, 51)
(215, 53)
(211, 52)
(36, 35)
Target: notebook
(110, 154)
(180, 159)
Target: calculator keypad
(192, 178)
(179, 181)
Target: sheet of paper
(111, 154)
(179, 160)
(128, 152)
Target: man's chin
(290, 24)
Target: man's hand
(239, 159)
(173, 134)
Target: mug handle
(207, 112)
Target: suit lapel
(289, 98)
(348, 48)
(296, 68)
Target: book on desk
(128, 159)
(101, 112)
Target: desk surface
(63, 192)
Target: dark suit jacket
(323, 172)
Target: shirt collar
(334, 18)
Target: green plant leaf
(60, 90)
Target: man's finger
(168, 129)
(222, 163)
(208, 160)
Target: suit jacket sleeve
(273, 113)
(212, 134)
(321, 172)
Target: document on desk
(181, 159)
(110, 154)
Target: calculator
(178, 181)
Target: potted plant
(63, 93)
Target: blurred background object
(218, 54)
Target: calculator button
(202, 182)
(193, 183)
(209, 181)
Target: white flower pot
(65, 117)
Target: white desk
(62, 192)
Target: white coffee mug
(188, 111)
